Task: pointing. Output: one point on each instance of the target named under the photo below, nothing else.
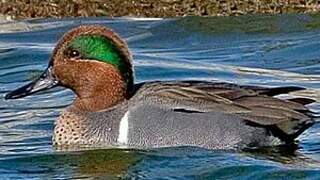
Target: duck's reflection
(103, 162)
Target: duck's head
(91, 60)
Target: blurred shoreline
(15, 9)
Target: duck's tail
(286, 118)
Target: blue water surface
(257, 50)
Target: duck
(109, 109)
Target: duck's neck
(104, 92)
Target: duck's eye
(73, 53)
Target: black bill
(45, 81)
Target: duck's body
(110, 110)
(212, 115)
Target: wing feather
(250, 103)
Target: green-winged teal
(109, 109)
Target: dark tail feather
(303, 101)
(289, 132)
(281, 90)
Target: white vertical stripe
(123, 129)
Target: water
(257, 50)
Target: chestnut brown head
(87, 59)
